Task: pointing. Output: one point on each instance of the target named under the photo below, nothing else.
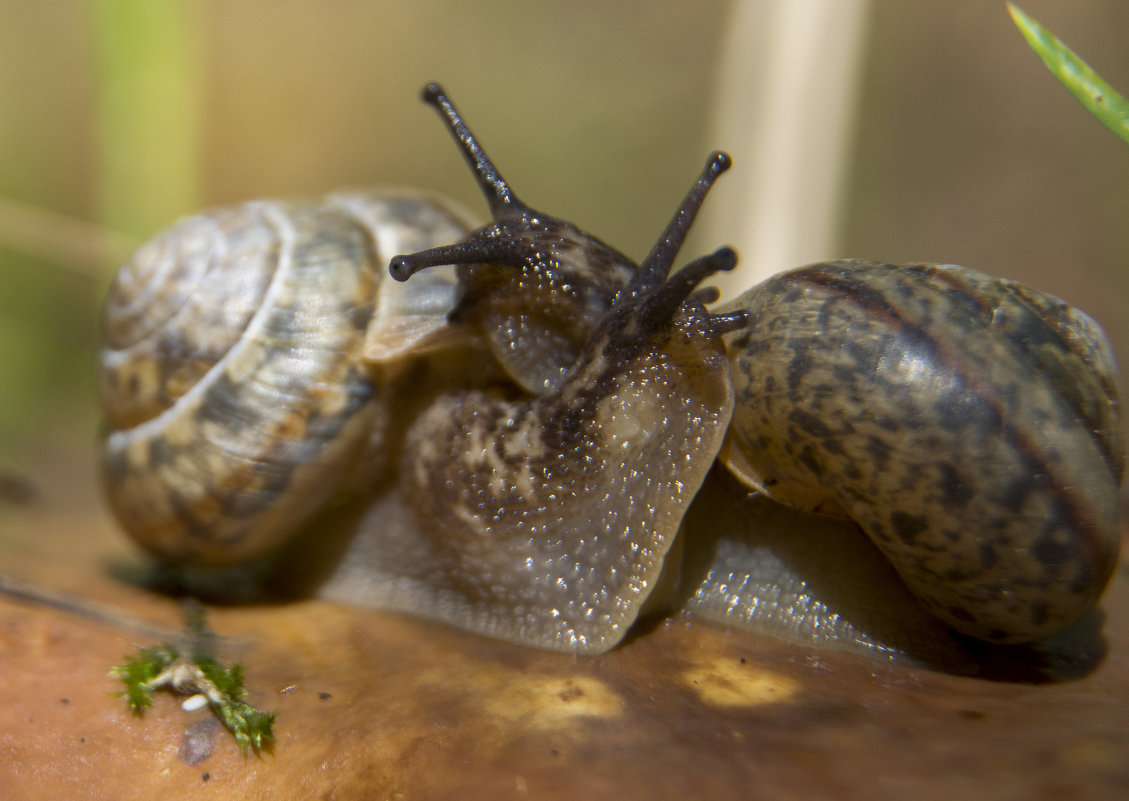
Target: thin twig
(113, 617)
(74, 245)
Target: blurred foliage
(127, 114)
(149, 67)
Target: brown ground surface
(380, 706)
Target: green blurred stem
(149, 85)
(1099, 98)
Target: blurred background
(116, 117)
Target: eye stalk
(516, 236)
(500, 243)
(656, 266)
(494, 187)
(661, 302)
(537, 318)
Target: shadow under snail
(524, 419)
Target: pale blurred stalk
(71, 244)
(149, 82)
(787, 95)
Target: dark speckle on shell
(950, 436)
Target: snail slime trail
(522, 420)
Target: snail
(521, 423)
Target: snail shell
(538, 494)
(237, 400)
(968, 424)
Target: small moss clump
(164, 667)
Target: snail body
(544, 493)
(525, 520)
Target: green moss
(163, 667)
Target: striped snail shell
(233, 369)
(968, 424)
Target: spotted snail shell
(528, 432)
(966, 423)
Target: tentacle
(656, 266)
(503, 202)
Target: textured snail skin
(537, 318)
(968, 424)
(752, 563)
(547, 521)
(236, 397)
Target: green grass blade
(1099, 98)
(150, 64)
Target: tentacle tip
(707, 296)
(432, 93)
(720, 161)
(401, 268)
(724, 258)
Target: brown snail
(527, 433)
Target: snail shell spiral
(235, 373)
